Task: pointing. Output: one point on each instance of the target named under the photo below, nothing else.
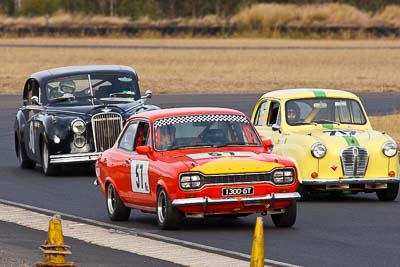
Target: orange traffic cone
(257, 252)
(54, 248)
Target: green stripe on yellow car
(328, 126)
(319, 93)
(351, 140)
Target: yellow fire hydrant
(257, 252)
(54, 249)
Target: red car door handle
(128, 161)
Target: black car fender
(53, 125)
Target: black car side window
(128, 137)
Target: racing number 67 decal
(140, 176)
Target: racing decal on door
(140, 176)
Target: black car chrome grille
(237, 178)
(106, 128)
(354, 161)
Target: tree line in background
(159, 9)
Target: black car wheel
(168, 217)
(23, 159)
(286, 219)
(115, 208)
(388, 194)
(48, 168)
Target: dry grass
(61, 18)
(390, 16)
(220, 70)
(389, 124)
(268, 15)
(216, 71)
(261, 15)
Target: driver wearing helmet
(292, 112)
(167, 137)
(67, 87)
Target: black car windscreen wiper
(123, 94)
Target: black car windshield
(324, 111)
(204, 130)
(110, 86)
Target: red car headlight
(190, 181)
(283, 176)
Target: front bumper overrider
(246, 201)
(74, 158)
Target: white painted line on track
(127, 239)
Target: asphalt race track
(353, 230)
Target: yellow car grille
(354, 161)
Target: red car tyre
(286, 219)
(168, 217)
(116, 209)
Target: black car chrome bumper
(349, 181)
(74, 158)
(247, 201)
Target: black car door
(31, 129)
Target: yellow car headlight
(318, 150)
(389, 148)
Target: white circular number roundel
(140, 176)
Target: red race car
(195, 162)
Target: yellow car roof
(308, 93)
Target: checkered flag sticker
(200, 118)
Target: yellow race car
(327, 133)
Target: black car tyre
(168, 217)
(115, 208)
(286, 219)
(23, 160)
(388, 194)
(48, 168)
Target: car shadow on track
(344, 198)
(65, 171)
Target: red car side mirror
(267, 143)
(143, 150)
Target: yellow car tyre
(388, 194)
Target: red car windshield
(204, 130)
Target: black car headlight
(389, 148)
(190, 181)
(78, 126)
(79, 141)
(283, 176)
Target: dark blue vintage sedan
(72, 114)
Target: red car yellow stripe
(227, 165)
